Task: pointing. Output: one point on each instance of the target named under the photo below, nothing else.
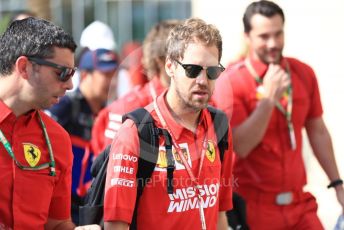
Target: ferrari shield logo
(32, 154)
(210, 153)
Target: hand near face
(276, 82)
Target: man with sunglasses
(272, 98)
(201, 190)
(36, 64)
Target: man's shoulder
(296, 63)
(234, 69)
(134, 99)
(235, 66)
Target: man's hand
(275, 82)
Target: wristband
(335, 183)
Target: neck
(95, 103)
(186, 117)
(10, 94)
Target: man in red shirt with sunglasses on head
(272, 99)
(36, 66)
(201, 189)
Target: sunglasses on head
(66, 72)
(192, 70)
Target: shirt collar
(5, 111)
(174, 126)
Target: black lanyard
(51, 164)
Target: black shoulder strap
(92, 210)
(149, 143)
(149, 148)
(221, 128)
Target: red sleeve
(229, 96)
(225, 195)
(120, 188)
(98, 131)
(61, 197)
(315, 106)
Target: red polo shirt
(157, 209)
(109, 119)
(272, 165)
(28, 198)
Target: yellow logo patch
(32, 154)
(162, 160)
(161, 164)
(211, 152)
(177, 157)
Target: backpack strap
(170, 160)
(149, 143)
(92, 210)
(221, 128)
(149, 148)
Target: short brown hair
(154, 47)
(190, 31)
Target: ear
(83, 75)
(246, 37)
(22, 67)
(169, 67)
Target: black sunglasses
(192, 70)
(66, 72)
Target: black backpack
(92, 211)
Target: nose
(202, 77)
(272, 42)
(68, 84)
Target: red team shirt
(157, 209)
(28, 198)
(271, 166)
(109, 119)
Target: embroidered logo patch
(32, 154)
(210, 153)
(162, 158)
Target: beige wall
(315, 35)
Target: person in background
(76, 113)
(21, 14)
(109, 119)
(36, 66)
(193, 63)
(272, 98)
(131, 56)
(97, 35)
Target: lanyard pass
(201, 212)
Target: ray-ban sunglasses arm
(66, 72)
